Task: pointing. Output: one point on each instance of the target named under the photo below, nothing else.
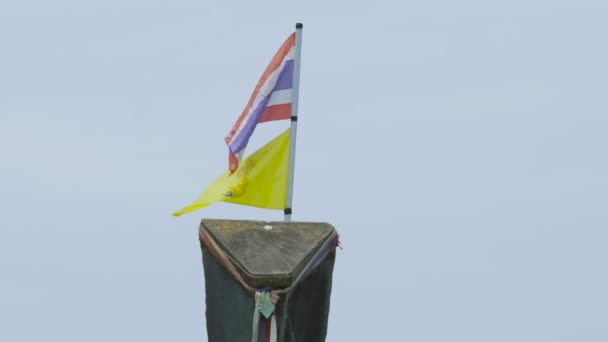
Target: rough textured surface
(302, 315)
(229, 308)
(268, 257)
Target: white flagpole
(294, 122)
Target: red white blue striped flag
(271, 100)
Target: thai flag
(270, 101)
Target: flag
(271, 100)
(260, 181)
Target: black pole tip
(299, 25)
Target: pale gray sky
(459, 147)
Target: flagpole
(294, 122)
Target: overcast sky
(459, 147)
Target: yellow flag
(260, 181)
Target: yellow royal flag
(260, 181)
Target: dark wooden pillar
(240, 257)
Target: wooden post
(293, 261)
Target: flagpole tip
(299, 25)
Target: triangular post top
(268, 253)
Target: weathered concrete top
(268, 253)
